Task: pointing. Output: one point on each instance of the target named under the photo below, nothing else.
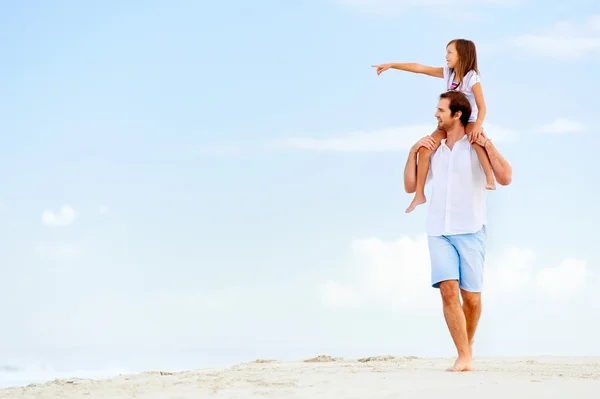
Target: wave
(9, 369)
(15, 376)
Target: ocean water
(22, 375)
(22, 371)
(23, 366)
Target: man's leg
(445, 275)
(457, 324)
(471, 251)
(472, 310)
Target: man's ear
(457, 114)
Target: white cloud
(392, 275)
(501, 134)
(389, 139)
(384, 140)
(103, 210)
(561, 126)
(567, 279)
(513, 274)
(594, 22)
(565, 39)
(64, 217)
(58, 251)
(395, 275)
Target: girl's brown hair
(467, 58)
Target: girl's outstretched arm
(436, 72)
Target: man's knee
(449, 292)
(471, 300)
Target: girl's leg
(422, 169)
(484, 160)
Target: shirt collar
(464, 138)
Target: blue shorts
(458, 257)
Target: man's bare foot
(418, 200)
(490, 185)
(461, 365)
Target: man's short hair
(458, 102)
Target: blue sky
(227, 176)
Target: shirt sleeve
(447, 77)
(472, 78)
(446, 72)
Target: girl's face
(451, 56)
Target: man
(456, 220)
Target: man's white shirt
(457, 204)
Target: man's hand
(476, 133)
(427, 142)
(382, 68)
(482, 140)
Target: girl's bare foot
(490, 185)
(418, 200)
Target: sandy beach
(327, 377)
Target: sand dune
(328, 377)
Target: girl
(461, 74)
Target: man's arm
(410, 169)
(500, 166)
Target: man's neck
(454, 134)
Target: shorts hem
(471, 289)
(436, 284)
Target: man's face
(442, 114)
